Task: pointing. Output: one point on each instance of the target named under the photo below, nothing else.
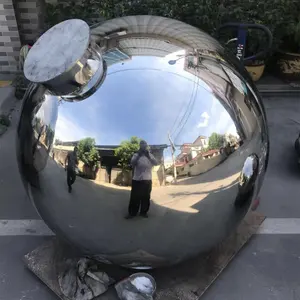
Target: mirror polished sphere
(157, 159)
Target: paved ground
(267, 268)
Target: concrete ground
(267, 268)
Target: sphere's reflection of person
(142, 163)
(71, 162)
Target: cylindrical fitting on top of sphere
(161, 161)
(65, 61)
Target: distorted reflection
(174, 131)
(71, 163)
(142, 163)
(43, 123)
(247, 181)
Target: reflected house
(182, 158)
(194, 160)
(198, 145)
(109, 170)
(202, 163)
(190, 150)
(210, 153)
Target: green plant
(57, 142)
(125, 151)
(281, 16)
(90, 11)
(88, 153)
(291, 41)
(49, 136)
(215, 141)
(4, 120)
(283, 19)
(200, 13)
(21, 84)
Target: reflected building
(199, 145)
(162, 37)
(114, 56)
(191, 160)
(191, 150)
(121, 48)
(227, 87)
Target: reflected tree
(88, 153)
(49, 136)
(57, 142)
(232, 139)
(37, 124)
(215, 141)
(125, 151)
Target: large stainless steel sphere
(170, 134)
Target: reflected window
(115, 56)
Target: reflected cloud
(204, 123)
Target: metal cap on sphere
(57, 50)
(66, 62)
(162, 159)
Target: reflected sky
(147, 97)
(148, 102)
(48, 112)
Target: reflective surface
(201, 119)
(67, 68)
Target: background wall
(21, 21)
(9, 37)
(30, 16)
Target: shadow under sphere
(203, 129)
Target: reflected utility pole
(173, 157)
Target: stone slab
(278, 89)
(269, 84)
(187, 281)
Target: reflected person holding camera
(142, 163)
